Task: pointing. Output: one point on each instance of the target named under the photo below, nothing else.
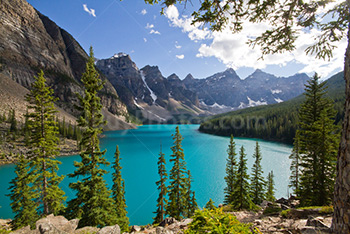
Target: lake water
(205, 156)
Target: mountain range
(30, 41)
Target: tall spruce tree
(210, 205)
(161, 201)
(241, 188)
(191, 205)
(177, 188)
(22, 196)
(258, 182)
(295, 167)
(231, 169)
(118, 193)
(318, 143)
(43, 147)
(93, 203)
(270, 193)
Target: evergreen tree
(270, 193)
(118, 193)
(93, 203)
(210, 205)
(318, 145)
(231, 168)
(295, 167)
(13, 121)
(177, 189)
(161, 201)
(191, 205)
(258, 182)
(43, 145)
(22, 196)
(241, 189)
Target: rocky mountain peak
(189, 77)
(173, 78)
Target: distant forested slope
(277, 122)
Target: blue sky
(171, 43)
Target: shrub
(216, 221)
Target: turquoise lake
(205, 156)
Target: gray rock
(135, 228)
(316, 222)
(168, 221)
(25, 230)
(110, 230)
(47, 228)
(60, 223)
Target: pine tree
(241, 189)
(176, 206)
(118, 193)
(295, 167)
(22, 196)
(258, 182)
(210, 205)
(231, 168)
(43, 145)
(13, 121)
(270, 193)
(161, 201)
(318, 145)
(93, 203)
(191, 205)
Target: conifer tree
(258, 182)
(43, 145)
(270, 193)
(210, 205)
(177, 204)
(241, 189)
(295, 167)
(318, 145)
(191, 205)
(231, 168)
(118, 193)
(161, 201)
(93, 203)
(22, 196)
(13, 122)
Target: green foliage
(270, 193)
(43, 147)
(93, 203)
(191, 203)
(241, 189)
(216, 221)
(161, 201)
(118, 193)
(210, 205)
(318, 142)
(231, 170)
(272, 210)
(22, 196)
(177, 189)
(276, 122)
(258, 182)
(295, 167)
(322, 210)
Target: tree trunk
(341, 216)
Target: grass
(322, 210)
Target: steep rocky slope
(30, 41)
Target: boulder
(60, 223)
(110, 230)
(48, 228)
(184, 223)
(316, 222)
(283, 201)
(168, 221)
(135, 228)
(25, 230)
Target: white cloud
(145, 39)
(148, 26)
(90, 11)
(180, 56)
(177, 46)
(194, 32)
(154, 32)
(144, 12)
(232, 49)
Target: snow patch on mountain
(275, 91)
(278, 100)
(153, 96)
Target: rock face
(30, 41)
(158, 98)
(148, 94)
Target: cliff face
(30, 41)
